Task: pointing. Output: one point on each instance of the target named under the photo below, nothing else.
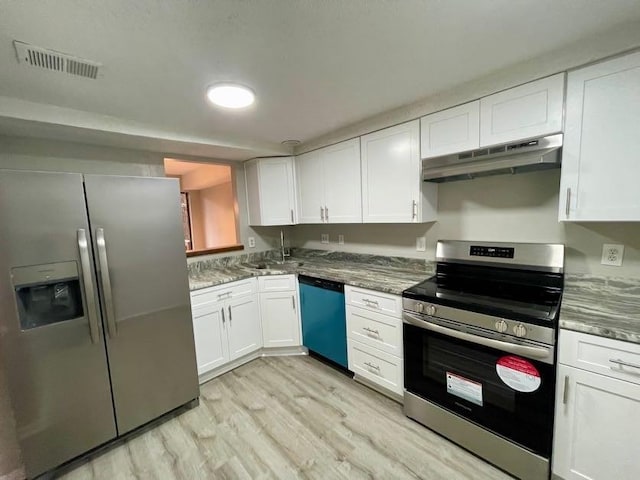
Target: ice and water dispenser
(47, 294)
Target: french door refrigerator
(95, 318)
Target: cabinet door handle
(326, 214)
(291, 215)
(230, 317)
(622, 363)
(567, 207)
(293, 301)
(565, 390)
(322, 214)
(371, 365)
(222, 310)
(414, 210)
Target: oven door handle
(540, 353)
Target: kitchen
(519, 208)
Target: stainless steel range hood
(538, 154)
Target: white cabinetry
(226, 323)
(270, 191)
(328, 182)
(600, 167)
(453, 130)
(392, 186)
(279, 311)
(530, 110)
(374, 337)
(597, 408)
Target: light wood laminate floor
(288, 417)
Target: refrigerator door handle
(87, 280)
(103, 265)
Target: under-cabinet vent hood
(538, 154)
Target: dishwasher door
(324, 329)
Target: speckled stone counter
(384, 274)
(603, 306)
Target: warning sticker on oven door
(518, 373)
(464, 388)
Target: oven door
(493, 384)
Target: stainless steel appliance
(95, 320)
(479, 350)
(529, 156)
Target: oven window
(462, 377)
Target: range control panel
(500, 252)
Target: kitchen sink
(277, 265)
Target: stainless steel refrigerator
(95, 319)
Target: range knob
(520, 330)
(501, 326)
(431, 310)
(419, 307)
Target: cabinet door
(210, 336)
(600, 167)
(593, 435)
(342, 191)
(391, 174)
(243, 322)
(276, 190)
(309, 187)
(280, 324)
(530, 110)
(450, 131)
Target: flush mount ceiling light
(230, 95)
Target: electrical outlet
(341, 239)
(252, 242)
(612, 254)
(421, 244)
(324, 238)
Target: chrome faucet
(283, 251)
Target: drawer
(376, 366)
(223, 292)
(613, 358)
(276, 283)
(374, 301)
(375, 329)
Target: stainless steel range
(479, 350)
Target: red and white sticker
(519, 373)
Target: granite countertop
(387, 278)
(603, 306)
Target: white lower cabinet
(227, 329)
(279, 311)
(212, 348)
(596, 414)
(374, 337)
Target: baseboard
(373, 386)
(263, 352)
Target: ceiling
(315, 65)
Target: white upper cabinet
(392, 186)
(328, 183)
(530, 110)
(270, 191)
(450, 131)
(600, 166)
(342, 190)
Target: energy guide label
(464, 388)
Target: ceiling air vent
(56, 61)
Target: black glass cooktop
(528, 296)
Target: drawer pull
(370, 302)
(371, 365)
(223, 294)
(372, 331)
(622, 363)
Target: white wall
(519, 208)
(218, 213)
